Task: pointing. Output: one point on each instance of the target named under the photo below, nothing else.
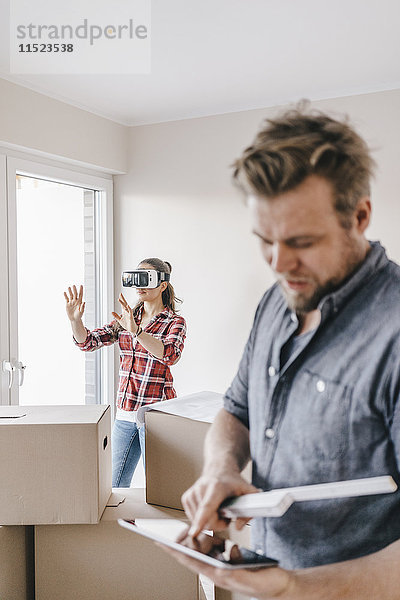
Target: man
(316, 395)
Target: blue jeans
(127, 444)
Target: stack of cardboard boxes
(16, 563)
(59, 535)
(54, 468)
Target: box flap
(201, 406)
(134, 506)
(52, 414)
(115, 499)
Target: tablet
(210, 549)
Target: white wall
(177, 202)
(35, 122)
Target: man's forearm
(226, 447)
(372, 577)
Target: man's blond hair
(299, 143)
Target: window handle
(21, 372)
(10, 368)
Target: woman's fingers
(73, 296)
(124, 304)
(116, 316)
(122, 301)
(72, 293)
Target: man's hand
(126, 319)
(75, 306)
(202, 501)
(266, 583)
(371, 577)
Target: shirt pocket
(314, 431)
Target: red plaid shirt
(143, 378)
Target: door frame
(4, 304)
(10, 166)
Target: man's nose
(283, 259)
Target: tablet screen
(207, 548)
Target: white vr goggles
(143, 278)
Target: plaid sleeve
(174, 341)
(102, 336)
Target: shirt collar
(166, 313)
(375, 260)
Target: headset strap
(163, 276)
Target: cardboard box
(103, 561)
(16, 563)
(242, 538)
(55, 464)
(174, 457)
(175, 433)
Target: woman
(151, 338)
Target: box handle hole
(105, 442)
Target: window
(59, 232)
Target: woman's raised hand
(126, 319)
(75, 306)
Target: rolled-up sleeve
(235, 398)
(174, 341)
(102, 336)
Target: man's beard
(304, 304)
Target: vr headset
(144, 278)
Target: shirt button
(269, 433)
(271, 371)
(293, 317)
(321, 385)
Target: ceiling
(217, 56)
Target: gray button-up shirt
(330, 413)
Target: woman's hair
(299, 143)
(168, 296)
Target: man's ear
(363, 214)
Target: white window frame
(4, 312)
(12, 163)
